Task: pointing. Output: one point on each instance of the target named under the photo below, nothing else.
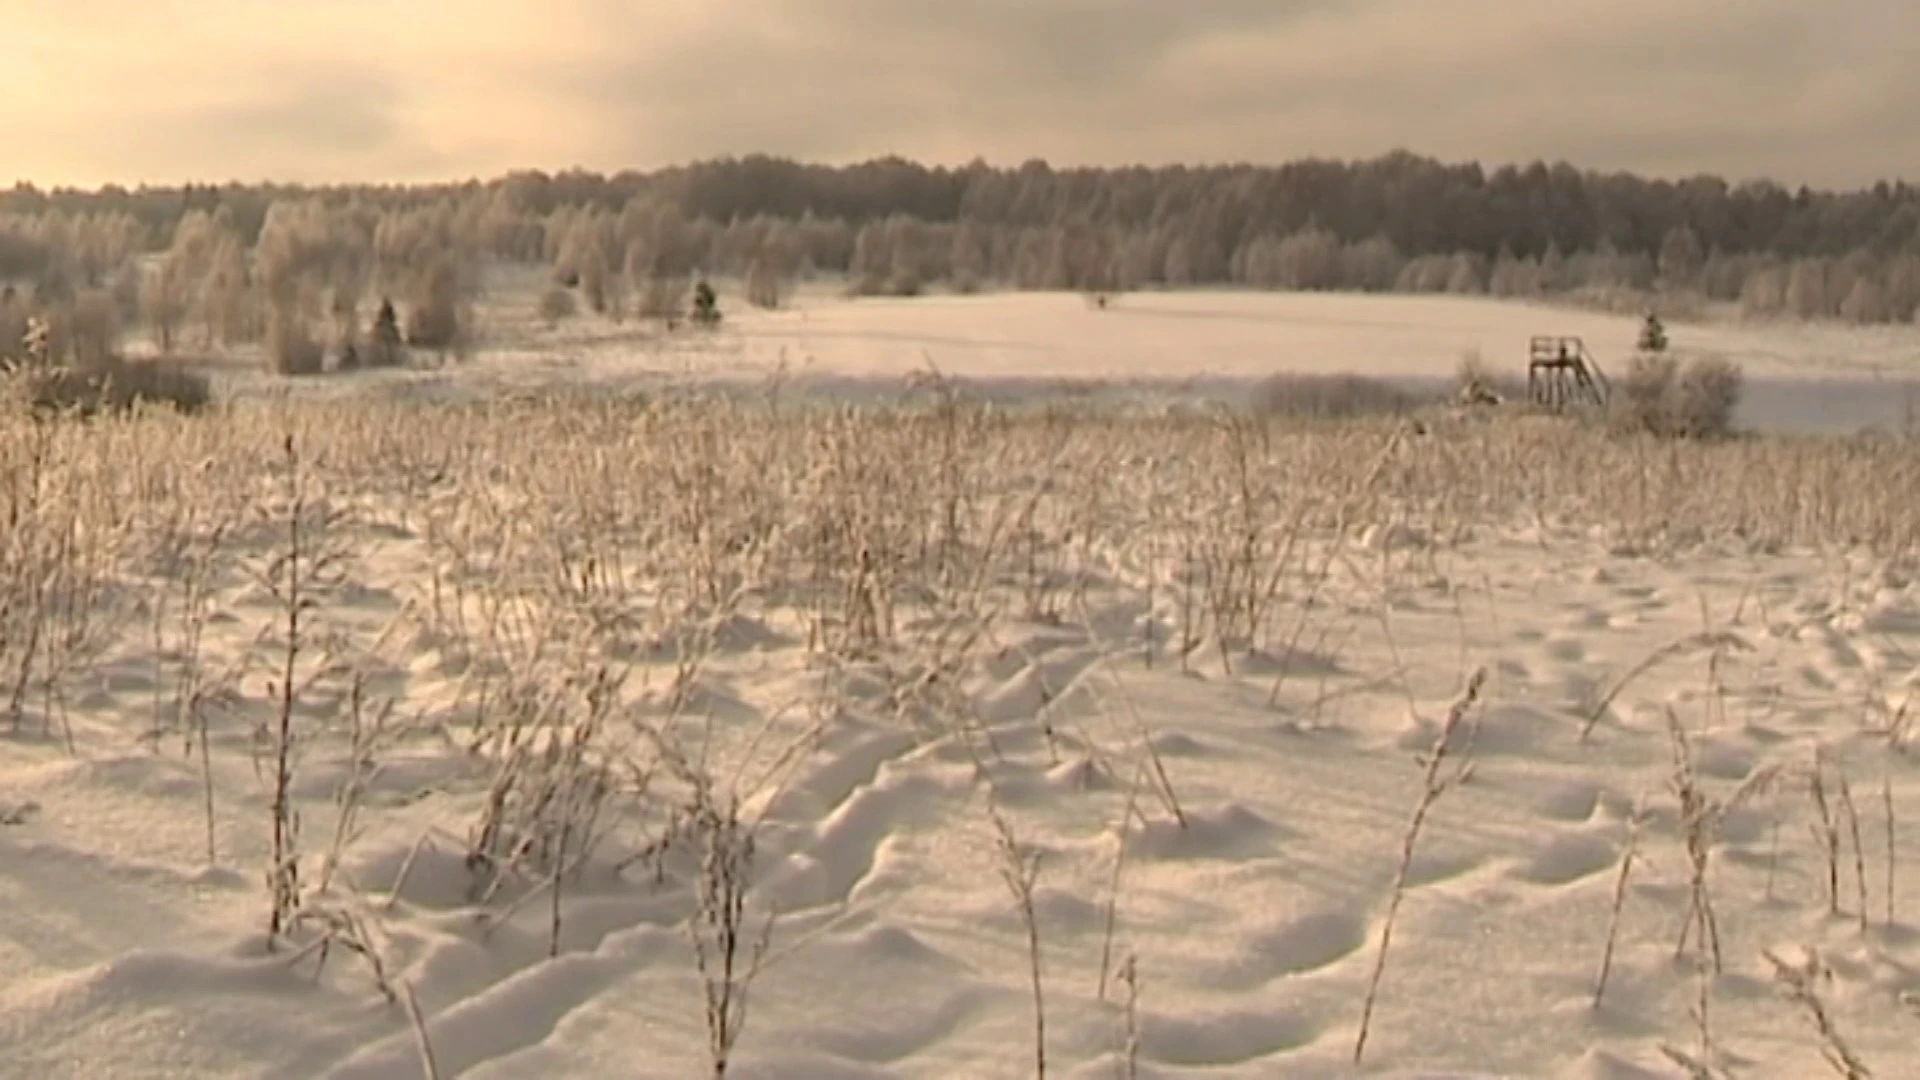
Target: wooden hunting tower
(1561, 372)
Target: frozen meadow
(1192, 346)
(497, 721)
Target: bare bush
(1479, 381)
(433, 320)
(1330, 397)
(119, 385)
(1660, 397)
(291, 347)
(1646, 388)
(1708, 393)
(84, 333)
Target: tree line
(267, 262)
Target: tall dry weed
(588, 562)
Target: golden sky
(96, 91)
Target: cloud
(343, 118)
(408, 89)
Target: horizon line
(1486, 166)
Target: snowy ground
(922, 651)
(1158, 346)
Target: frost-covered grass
(946, 730)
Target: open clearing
(1150, 699)
(1154, 346)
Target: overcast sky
(91, 91)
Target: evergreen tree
(1653, 335)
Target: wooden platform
(1561, 372)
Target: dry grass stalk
(1773, 856)
(1799, 982)
(1716, 641)
(1155, 765)
(1130, 1044)
(423, 1044)
(908, 519)
(1020, 871)
(1827, 833)
(728, 958)
(1886, 803)
(1899, 725)
(295, 577)
(1629, 855)
(194, 687)
(1859, 852)
(549, 780)
(1699, 1063)
(1701, 1009)
(367, 731)
(1699, 822)
(1691, 1065)
(1111, 917)
(1433, 786)
(347, 926)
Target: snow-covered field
(1108, 739)
(1159, 346)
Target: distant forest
(239, 262)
